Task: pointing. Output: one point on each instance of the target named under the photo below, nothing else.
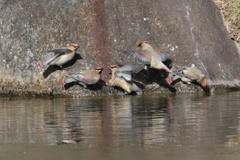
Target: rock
(191, 31)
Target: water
(181, 126)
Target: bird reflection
(153, 118)
(61, 127)
(123, 121)
(107, 121)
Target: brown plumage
(87, 77)
(192, 75)
(121, 77)
(59, 56)
(148, 55)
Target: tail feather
(126, 76)
(41, 64)
(175, 77)
(140, 92)
(50, 60)
(137, 55)
(68, 80)
(131, 67)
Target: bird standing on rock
(192, 75)
(87, 77)
(121, 77)
(148, 55)
(59, 56)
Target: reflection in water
(115, 122)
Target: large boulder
(191, 31)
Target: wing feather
(80, 78)
(137, 55)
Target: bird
(122, 77)
(148, 55)
(59, 56)
(191, 75)
(87, 77)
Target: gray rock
(191, 31)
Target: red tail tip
(170, 71)
(170, 80)
(63, 82)
(41, 64)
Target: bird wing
(123, 75)
(60, 51)
(127, 70)
(165, 57)
(131, 68)
(139, 55)
(192, 77)
(87, 77)
(69, 80)
(175, 77)
(52, 55)
(50, 59)
(157, 64)
(80, 78)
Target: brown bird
(192, 75)
(87, 77)
(148, 55)
(59, 56)
(121, 77)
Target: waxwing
(87, 77)
(148, 55)
(122, 77)
(59, 56)
(191, 75)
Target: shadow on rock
(54, 68)
(95, 87)
(151, 76)
(98, 86)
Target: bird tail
(126, 76)
(175, 77)
(139, 92)
(136, 89)
(68, 80)
(50, 60)
(41, 64)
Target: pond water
(161, 126)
